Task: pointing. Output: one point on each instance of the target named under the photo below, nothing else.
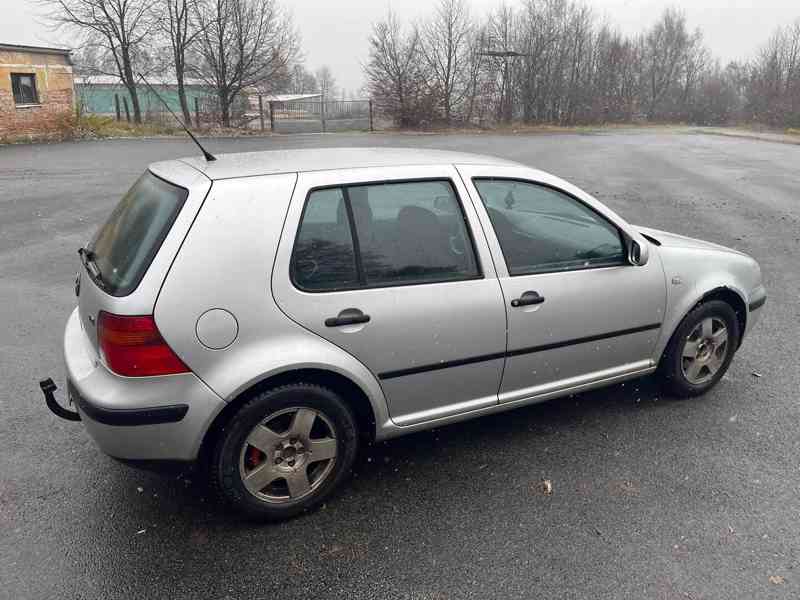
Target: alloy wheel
(288, 455)
(705, 350)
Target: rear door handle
(527, 298)
(349, 316)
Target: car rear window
(125, 245)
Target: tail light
(133, 347)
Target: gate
(320, 116)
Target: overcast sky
(335, 32)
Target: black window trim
(620, 232)
(360, 275)
(36, 100)
(124, 292)
(357, 258)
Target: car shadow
(439, 477)
(184, 489)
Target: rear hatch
(124, 264)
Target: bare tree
(553, 61)
(120, 27)
(773, 88)
(326, 82)
(665, 47)
(696, 63)
(394, 78)
(301, 80)
(445, 46)
(181, 30)
(474, 69)
(244, 43)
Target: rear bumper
(137, 418)
(127, 417)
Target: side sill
(445, 411)
(391, 428)
(566, 386)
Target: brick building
(36, 88)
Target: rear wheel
(285, 451)
(701, 349)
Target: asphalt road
(652, 497)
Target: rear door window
(126, 244)
(411, 232)
(323, 257)
(378, 235)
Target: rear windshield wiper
(87, 258)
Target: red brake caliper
(254, 457)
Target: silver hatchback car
(267, 312)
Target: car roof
(246, 164)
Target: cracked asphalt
(652, 497)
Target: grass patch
(95, 126)
(72, 127)
(532, 129)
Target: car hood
(673, 240)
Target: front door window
(542, 230)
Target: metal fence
(307, 116)
(255, 112)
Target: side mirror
(638, 253)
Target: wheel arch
(352, 394)
(733, 298)
(725, 293)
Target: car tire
(695, 358)
(299, 440)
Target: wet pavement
(651, 497)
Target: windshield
(125, 245)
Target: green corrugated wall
(99, 98)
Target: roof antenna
(209, 157)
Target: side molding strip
(583, 340)
(519, 352)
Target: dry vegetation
(555, 62)
(533, 63)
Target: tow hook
(48, 389)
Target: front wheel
(701, 349)
(285, 451)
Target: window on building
(24, 87)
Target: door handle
(349, 316)
(527, 299)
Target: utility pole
(322, 112)
(506, 104)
